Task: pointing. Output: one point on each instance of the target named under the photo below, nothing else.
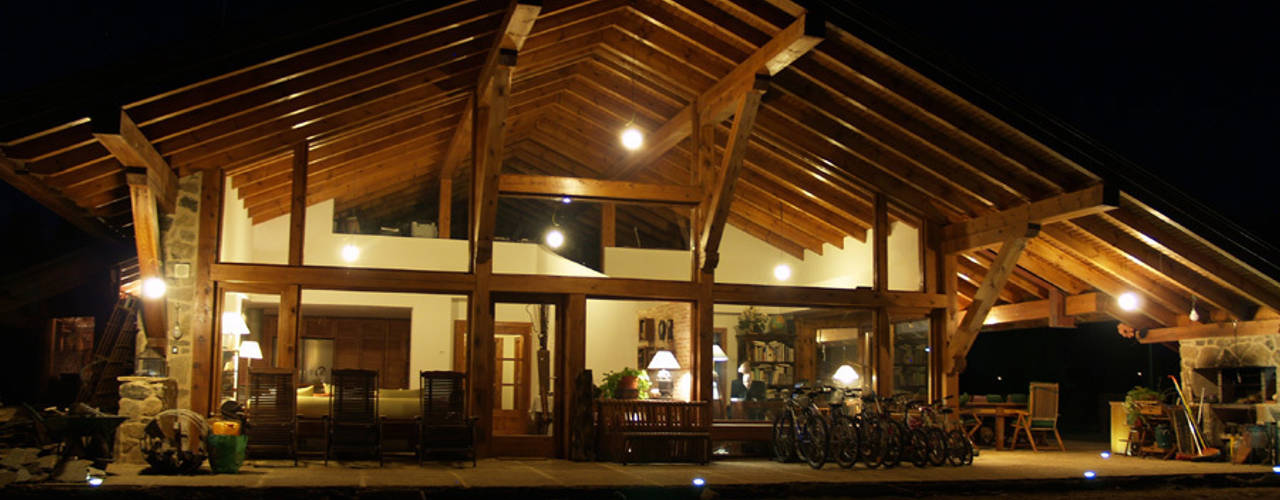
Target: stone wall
(1253, 350)
(179, 241)
(141, 399)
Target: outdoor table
(997, 411)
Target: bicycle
(844, 434)
(800, 430)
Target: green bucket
(226, 453)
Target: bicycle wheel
(937, 441)
(895, 442)
(959, 448)
(844, 441)
(871, 441)
(784, 437)
(918, 451)
(811, 443)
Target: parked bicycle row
(878, 432)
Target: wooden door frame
(524, 392)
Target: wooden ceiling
(383, 113)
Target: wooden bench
(649, 430)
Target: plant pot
(628, 387)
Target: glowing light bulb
(1106, 454)
(555, 238)
(845, 375)
(632, 138)
(1128, 301)
(153, 288)
(350, 253)
(699, 482)
(782, 272)
(1194, 316)
(565, 200)
(1090, 474)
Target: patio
(1005, 471)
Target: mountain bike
(800, 430)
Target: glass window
(653, 339)
(906, 260)
(911, 357)
(255, 213)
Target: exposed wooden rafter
(597, 189)
(719, 194)
(997, 227)
(985, 298)
(121, 136)
(1216, 330)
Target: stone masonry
(179, 240)
(1226, 352)
(141, 399)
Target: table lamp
(663, 361)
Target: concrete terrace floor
(992, 471)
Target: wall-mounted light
(1128, 301)
(350, 253)
(782, 272)
(153, 288)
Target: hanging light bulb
(555, 238)
(782, 272)
(632, 138)
(1128, 301)
(1194, 316)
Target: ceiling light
(350, 253)
(632, 138)
(153, 288)
(1194, 316)
(555, 238)
(782, 272)
(1128, 301)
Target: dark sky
(1184, 90)
(1187, 90)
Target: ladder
(113, 357)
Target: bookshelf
(770, 358)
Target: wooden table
(997, 411)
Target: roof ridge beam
(716, 103)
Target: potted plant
(751, 320)
(1135, 400)
(622, 383)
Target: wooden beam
(288, 327)
(720, 196)
(597, 189)
(16, 174)
(458, 150)
(608, 229)
(880, 244)
(444, 219)
(1216, 330)
(801, 296)
(1049, 259)
(203, 309)
(487, 165)
(121, 136)
(146, 238)
(1073, 305)
(1058, 316)
(716, 103)
(347, 279)
(992, 283)
(993, 228)
(298, 204)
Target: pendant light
(632, 138)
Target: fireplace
(1238, 384)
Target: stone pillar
(179, 243)
(141, 399)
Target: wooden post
(884, 353)
(951, 381)
(880, 245)
(202, 334)
(298, 204)
(608, 229)
(704, 336)
(146, 237)
(571, 351)
(445, 215)
(289, 327)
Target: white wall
(648, 263)
(612, 335)
(237, 235)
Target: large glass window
(650, 340)
(255, 216)
(247, 325)
(911, 357)
(906, 260)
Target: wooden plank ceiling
(383, 112)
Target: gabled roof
(383, 112)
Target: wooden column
(950, 281)
(883, 353)
(445, 214)
(608, 229)
(202, 334)
(289, 327)
(571, 351)
(146, 238)
(704, 336)
(880, 245)
(298, 204)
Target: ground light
(1105, 454)
(1276, 469)
(699, 482)
(153, 288)
(1090, 474)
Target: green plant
(1133, 401)
(751, 320)
(609, 388)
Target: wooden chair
(353, 421)
(1041, 415)
(444, 425)
(272, 422)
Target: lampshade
(249, 350)
(845, 375)
(717, 354)
(233, 324)
(664, 360)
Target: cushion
(1042, 423)
(1018, 398)
(306, 391)
(964, 398)
(995, 398)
